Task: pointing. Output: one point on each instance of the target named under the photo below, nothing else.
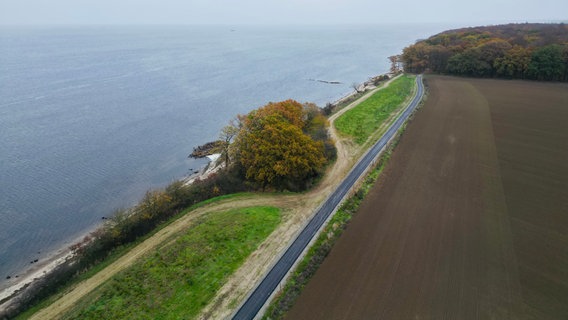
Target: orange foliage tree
(273, 150)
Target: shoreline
(21, 283)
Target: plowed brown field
(470, 220)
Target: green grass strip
(119, 252)
(180, 278)
(364, 119)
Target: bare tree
(226, 136)
(395, 64)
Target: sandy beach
(17, 284)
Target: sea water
(93, 117)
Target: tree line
(512, 51)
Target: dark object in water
(325, 81)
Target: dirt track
(469, 220)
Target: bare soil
(469, 220)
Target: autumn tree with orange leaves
(280, 146)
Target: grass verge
(362, 121)
(177, 280)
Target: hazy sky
(278, 11)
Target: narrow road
(258, 298)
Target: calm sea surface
(92, 117)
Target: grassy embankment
(362, 121)
(179, 278)
(353, 123)
(117, 253)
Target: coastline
(21, 284)
(207, 170)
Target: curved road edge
(259, 297)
